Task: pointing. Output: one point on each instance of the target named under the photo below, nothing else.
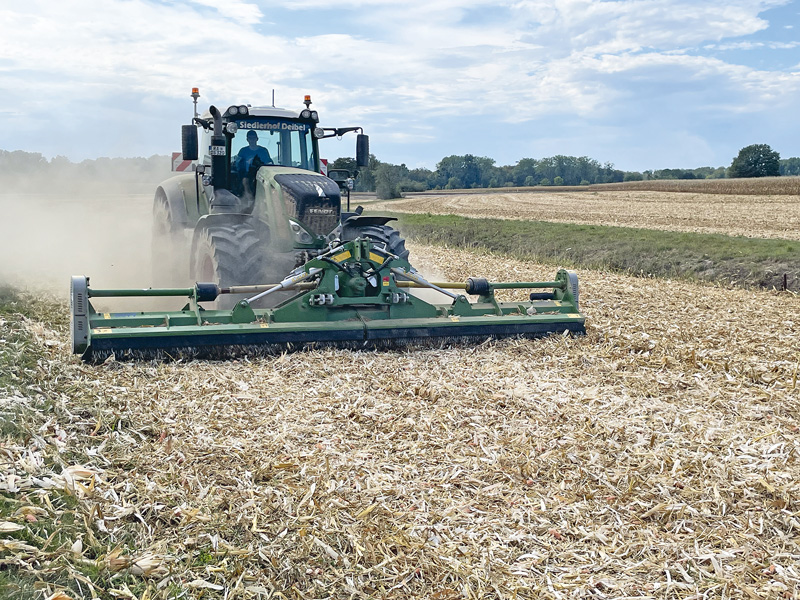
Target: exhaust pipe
(219, 159)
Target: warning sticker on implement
(342, 256)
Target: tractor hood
(311, 199)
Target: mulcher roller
(356, 295)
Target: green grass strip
(749, 262)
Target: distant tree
(699, 173)
(558, 180)
(21, 162)
(568, 168)
(756, 160)
(530, 180)
(719, 173)
(423, 176)
(708, 172)
(633, 176)
(389, 180)
(409, 185)
(546, 168)
(366, 181)
(608, 174)
(588, 169)
(790, 166)
(525, 168)
(487, 171)
(466, 169)
(454, 184)
(544, 181)
(344, 162)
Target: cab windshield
(271, 141)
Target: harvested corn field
(764, 216)
(656, 457)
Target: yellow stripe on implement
(342, 256)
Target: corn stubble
(655, 457)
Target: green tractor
(256, 207)
(277, 265)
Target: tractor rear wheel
(168, 248)
(381, 235)
(229, 255)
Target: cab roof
(271, 111)
(262, 111)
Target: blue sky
(644, 84)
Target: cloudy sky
(644, 84)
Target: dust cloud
(45, 238)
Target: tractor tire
(229, 255)
(168, 248)
(382, 235)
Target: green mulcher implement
(280, 266)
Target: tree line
(31, 171)
(468, 171)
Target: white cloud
(239, 10)
(753, 46)
(394, 67)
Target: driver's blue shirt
(246, 155)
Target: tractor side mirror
(362, 150)
(189, 142)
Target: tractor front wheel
(229, 255)
(381, 235)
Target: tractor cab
(253, 138)
(262, 165)
(237, 142)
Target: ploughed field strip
(657, 456)
(765, 216)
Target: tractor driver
(247, 154)
(245, 159)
